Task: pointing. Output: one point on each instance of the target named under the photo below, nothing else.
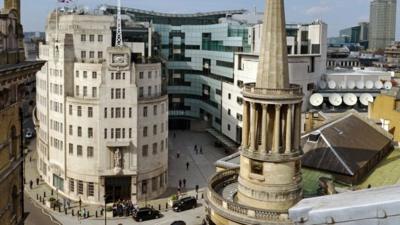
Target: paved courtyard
(201, 167)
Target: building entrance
(118, 188)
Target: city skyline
(309, 10)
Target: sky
(338, 14)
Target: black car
(185, 204)
(179, 222)
(143, 214)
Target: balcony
(220, 197)
(293, 92)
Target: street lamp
(105, 209)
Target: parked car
(179, 222)
(185, 204)
(143, 214)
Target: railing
(233, 210)
(292, 90)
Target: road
(34, 215)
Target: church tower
(270, 166)
(13, 4)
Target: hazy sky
(337, 14)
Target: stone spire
(273, 72)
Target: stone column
(289, 129)
(253, 126)
(264, 129)
(277, 124)
(245, 131)
(297, 126)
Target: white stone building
(307, 48)
(102, 119)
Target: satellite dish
(388, 85)
(316, 99)
(335, 99)
(342, 85)
(369, 84)
(360, 84)
(351, 84)
(378, 84)
(366, 98)
(332, 84)
(322, 84)
(350, 99)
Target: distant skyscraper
(382, 23)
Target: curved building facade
(92, 129)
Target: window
(118, 93)
(94, 92)
(123, 112)
(218, 92)
(89, 152)
(70, 109)
(112, 112)
(91, 54)
(70, 130)
(112, 93)
(239, 117)
(90, 189)
(149, 91)
(154, 148)
(154, 184)
(229, 127)
(105, 112)
(141, 92)
(118, 133)
(71, 185)
(71, 149)
(85, 74)
(83, 37)
(79, 111)
(77, 90)
(154, 129)
(141, 74)
(123, 76)
(112, 76)
(130, 112)
(118, 112)
(145, 111)
(100, 54)
(149, 74)
(239, 100)
(130, 132)
(229, 111)
(105, 133)
(229, 96)
(79, 131)
(84, 91)
(90, 132)
(145, 150)
(100, 38)
(77, 74)
(144, 187)
(162, 108)
(256, 167)
(123, 133)
(79, 150)
(162, 146)
(162, 127)
(91, 38)
(144, 131)
(80, 187)
(155, 110)
(112, 133)
(118, 76)
(123, 93)
(83, 54)
(94, 75)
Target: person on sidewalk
(37, 181)
(201, 150)
(30, 184)
(197, 188)
(184, 182)
(187, 166)
(180, 184)
(178, 155)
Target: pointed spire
(273, 69)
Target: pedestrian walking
(30, 184)
(187, 166)
(197, 151)
(69, 204)
(197, 188)
(178, 155)
(180, 184)
(37, 181)
(195, 147)
(184, 183)
(201, 150)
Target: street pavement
(34, 214)
(201, 167)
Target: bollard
(44, 194)
(202, 195)
(37, 196)
(159, 207)
(101, 212)
(166, 206)
(66, 211)
(72, 212)
(96, 213)
(52, 192)
(40, 199)
(197, 197)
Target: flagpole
(57, 21)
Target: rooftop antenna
(118, 39)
